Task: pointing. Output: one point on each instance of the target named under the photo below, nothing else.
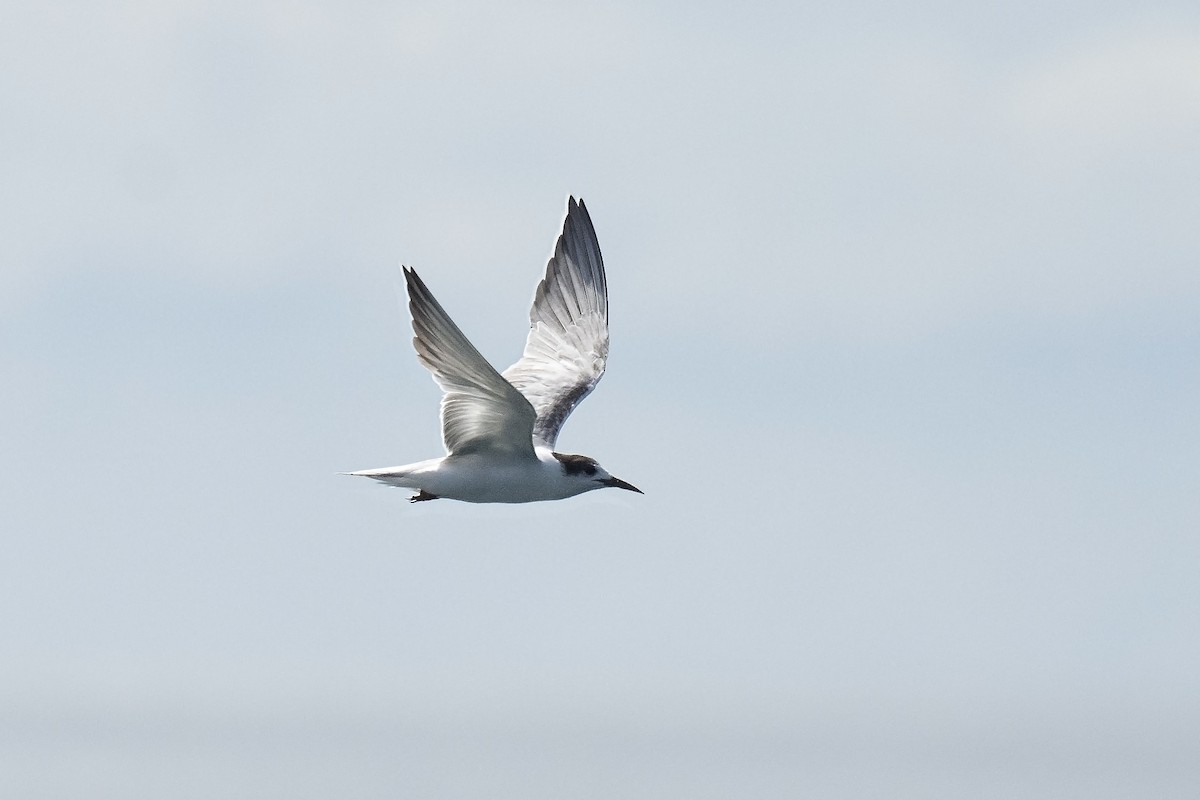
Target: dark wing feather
(481, 411)
(567, 348)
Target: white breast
(480, 478)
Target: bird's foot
(422, 495)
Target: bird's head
(589, 474)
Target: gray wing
(567, 346)
(481, 411)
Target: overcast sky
(905, 355)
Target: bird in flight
(500, 428)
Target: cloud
(1107, 96)
(857, 182)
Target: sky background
(905, 355)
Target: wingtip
(414, 284)
(577, 212)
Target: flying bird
(500, 429)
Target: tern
(500, 429)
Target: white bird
(500, 430)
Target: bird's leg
(422, 495)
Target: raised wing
(567, 346)
(481, 411)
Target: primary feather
(481, 411)
(567, 347)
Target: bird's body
(500, 430)
(485, 478)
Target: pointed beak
(620, 484)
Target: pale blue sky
(906, 357)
